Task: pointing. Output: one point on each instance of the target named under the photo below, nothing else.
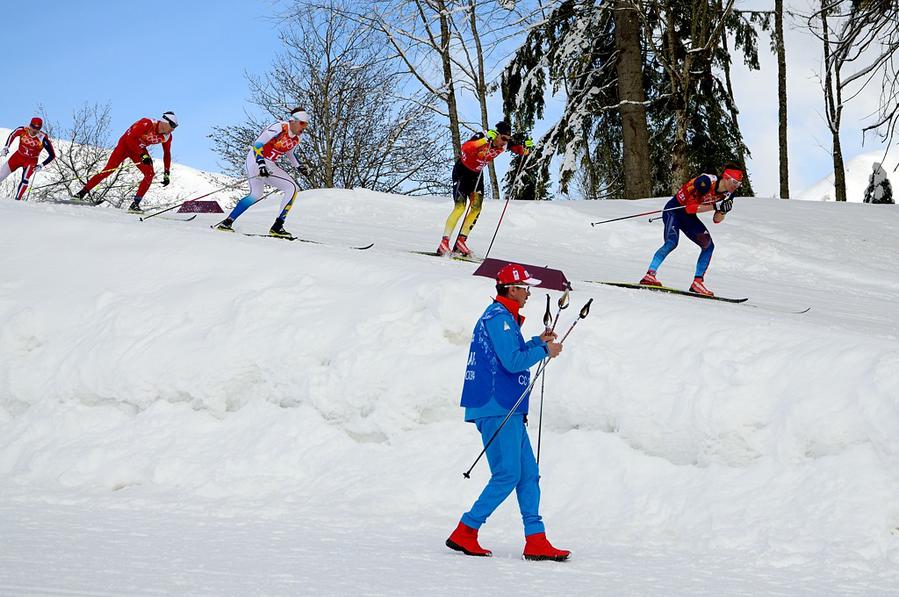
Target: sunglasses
(34, 128)
(525, 286)
(505, 138)
(739, 183)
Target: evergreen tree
(689, 109)
(879, 188)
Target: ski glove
(4, 151)
(166, 179)
(725, 205)
(491, 135)
(263, 171)
(146, 159)
(38, 168)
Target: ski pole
(468, 199)
(228, 186)
(123, 165)
(514, 180)
(547, 320)
(585, 310)
(729, 196)
(647, 213)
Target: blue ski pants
(677, 221)
(512, 467)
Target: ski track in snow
(184, 411)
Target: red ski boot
(465, 539)
(538, 547)
(461, 247)
(650, 279)
(699, 288)
(443, 247)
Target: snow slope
(858, 173)
(184, 411)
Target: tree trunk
(732, 105)
(482, 88)
(680, 89)
(635, 135)
(781, 98)
(834, 106)
(449, 86)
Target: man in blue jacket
(497, 374)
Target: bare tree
(836, 50)
(361, 133)
(867, 36)
(80, 153)
(449, 47)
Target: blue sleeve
(49, 147)
(703, 184)
(257, 152)
(535, 341)
(508, 351)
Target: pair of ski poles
(563, 303)
(649, 213)
(502, 215)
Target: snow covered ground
(189, 412)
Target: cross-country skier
(497, 373)
(133, 145)
(468, 183)
(31, 141)
(704, 193)
(276, 140)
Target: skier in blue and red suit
(32, 140)
(704, 193)
(496, 376)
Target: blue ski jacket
(498, 365)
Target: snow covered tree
(363, 131)
(690, 113)
(879, 188)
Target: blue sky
(191, 57)
(141, 57)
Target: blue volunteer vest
(485, 377)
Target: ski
(670, 290)
(306, 240)
(453, 257)
(174, 219)
(84, 203)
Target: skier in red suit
(133, 145)
(32, 140)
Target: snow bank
(165, 366)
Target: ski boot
(538, 547)
(225, 225)
(277, 230)
(699, 288)
(134, 208)
(650, 279)
(80, 195)
(443, 247)
(460, 247)
(465, 539)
